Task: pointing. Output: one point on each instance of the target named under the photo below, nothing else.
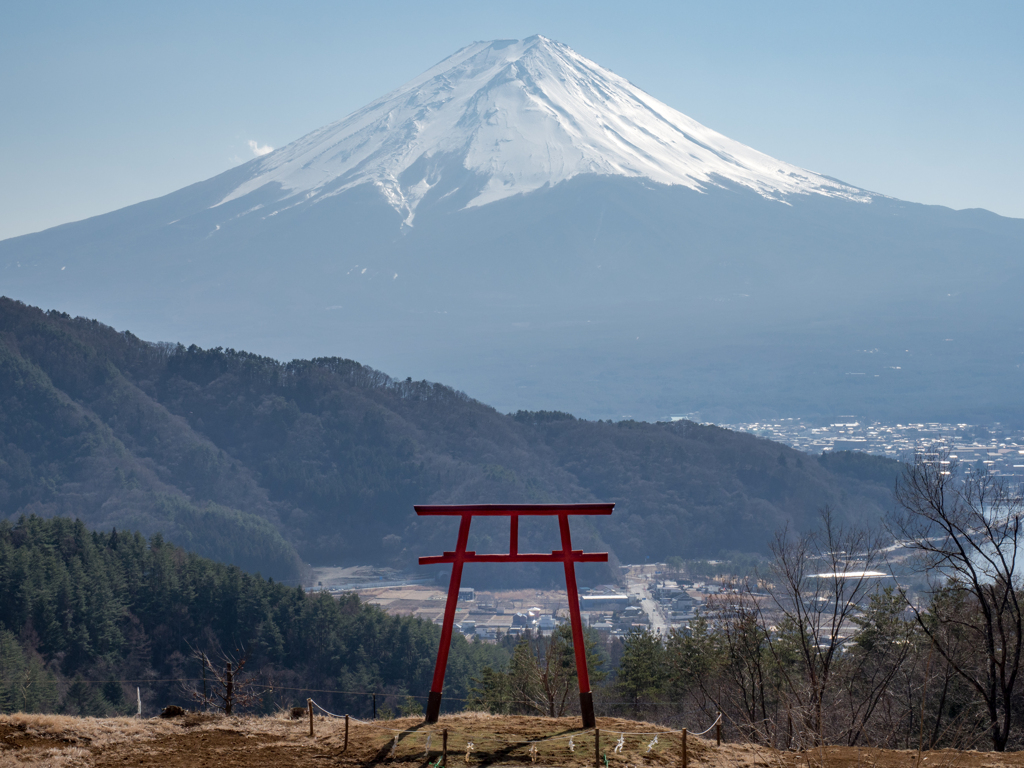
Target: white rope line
(340, 717)
(526, 742)
(717, 721)
(641, 733)
(503, 742)
(665, 732)
(556, 737)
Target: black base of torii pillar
(567, 556)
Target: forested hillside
(269, 465)
(82, 611)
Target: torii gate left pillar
(566, 555)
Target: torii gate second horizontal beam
(576, 556)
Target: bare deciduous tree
(222, 686)
(885, 641)
(965, 529)
(816, 585)
(751, 672)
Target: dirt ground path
(257, 742)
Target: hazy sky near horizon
(106, 104)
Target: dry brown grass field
(233, 742)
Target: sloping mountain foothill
(270, 465)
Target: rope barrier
(497, 740)
(341, 717)
(272, 687)
(619, 746)
(474, 746)
(572, 736)
(647, 733)
(524, 742)
(557, 737)
(717, 721)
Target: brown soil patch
(258, 742)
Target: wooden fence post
(346, 733)
(444, 748)
(718, 729)
(684, 748)
(309, 705)
(597, 748)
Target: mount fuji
(518, 116)
(529, 227)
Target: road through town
(638, 581)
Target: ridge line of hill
(270, 465)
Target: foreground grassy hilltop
(257, 742)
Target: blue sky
(104, 104)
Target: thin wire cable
(271, 686)
(126, 682)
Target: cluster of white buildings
(997, 450)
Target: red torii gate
(566, 555)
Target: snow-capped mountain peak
(519, 115)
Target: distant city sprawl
(997, 450)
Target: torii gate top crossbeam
(515, 511)
(504, 510)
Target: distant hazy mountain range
(269, 465)
(535, 230)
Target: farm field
(230, 742)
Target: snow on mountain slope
(520, 115)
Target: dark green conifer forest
(88, 617)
